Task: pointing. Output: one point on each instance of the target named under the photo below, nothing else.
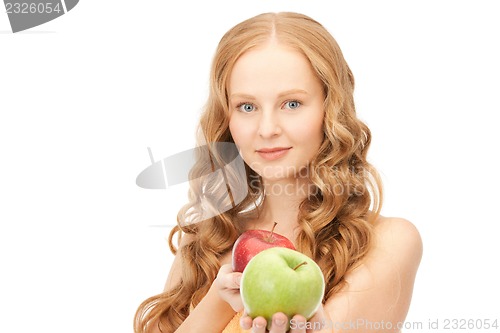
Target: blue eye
(246, 107)
(292, 105)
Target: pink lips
(271, 154)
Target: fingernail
(257, 325)
(238, 280)
(279, 322)
(242, 323)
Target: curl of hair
(336, 219)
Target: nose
(269, 124)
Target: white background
(83, 96)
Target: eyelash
(238, 107)
(299, 103)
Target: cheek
(312, 133)
(237, 132)
(318, 131)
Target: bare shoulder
(398, 238)
(386, 224)
(396, 251)
(381, 286)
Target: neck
(282, 200)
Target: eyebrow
(280, 95)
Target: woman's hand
(298, 324)
(228, 287)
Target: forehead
(272, 66)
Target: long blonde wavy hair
(336, 221)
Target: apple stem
(269, 238)
(301, 264)
(272, 230)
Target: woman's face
(276, 110)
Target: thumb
(237, 279)
(227, 278)
(234, 280)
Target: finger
(279, 322)
(245, 322)
(228, 279)
(224, 269)
(259, 325)
(232, 281)
(298, 324)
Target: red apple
(252, 242)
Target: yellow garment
(234, 325)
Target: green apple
(280, 279)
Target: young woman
(282, 92)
